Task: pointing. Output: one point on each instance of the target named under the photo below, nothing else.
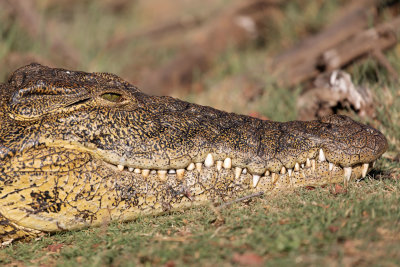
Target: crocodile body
(80, 149)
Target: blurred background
(275, 59)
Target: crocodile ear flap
(35, 100)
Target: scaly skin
(80, 149)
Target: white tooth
(180, 173)
(313, 164)
(219, 165)
(302, 165)
(290, 172)
(244, 171)
(171, 171)
(308, 163)
(209, 161)
(153, 171)
(130, 169)
(373, 164)
(120, 167)
(364, 170)
(256, 179)
(190, 167)
(267, 173)
(238, 171)
(321, 155)
(199, 166)
(275, 177)
(162, 174)
(283, 170)
(138, 171)
(145, 173)
(330, 166)
(227, 163)
(347, 173)
(296, 167)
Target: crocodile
(82, 149)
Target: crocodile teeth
(238, 171)
(313, 164)
(145, 173)
(120, 167)
(364, 170)
(162, 174)
(244, 171)
(296, 167)
(321, 155)
(283, 170)
(275, 177)
(190, 167)
(347, 173)
(227, 163)
(267, 173)
(256, 179)
(171, 171)
(130, 169)
(308, 163)
(219, 165)
(180, 173)
(302, 165)
(138, 171)
(199, 166)
(209, 161)
(290, 172)
(330, 166)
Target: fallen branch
(224, 205)
(379, 38)
(338, 45)
(298, 64)
(384, 62)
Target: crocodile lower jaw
(314, 171)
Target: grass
(322, 226)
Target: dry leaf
(333, 228)
(248, 259)
(55, 247)
(338, 189)
(170, 264)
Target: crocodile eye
(112, 97)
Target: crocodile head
(78, 149)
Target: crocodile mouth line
(312, 167)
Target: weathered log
(332, 91)
(379, 38)
(361, 44)
(298, 63)
(343, 41)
